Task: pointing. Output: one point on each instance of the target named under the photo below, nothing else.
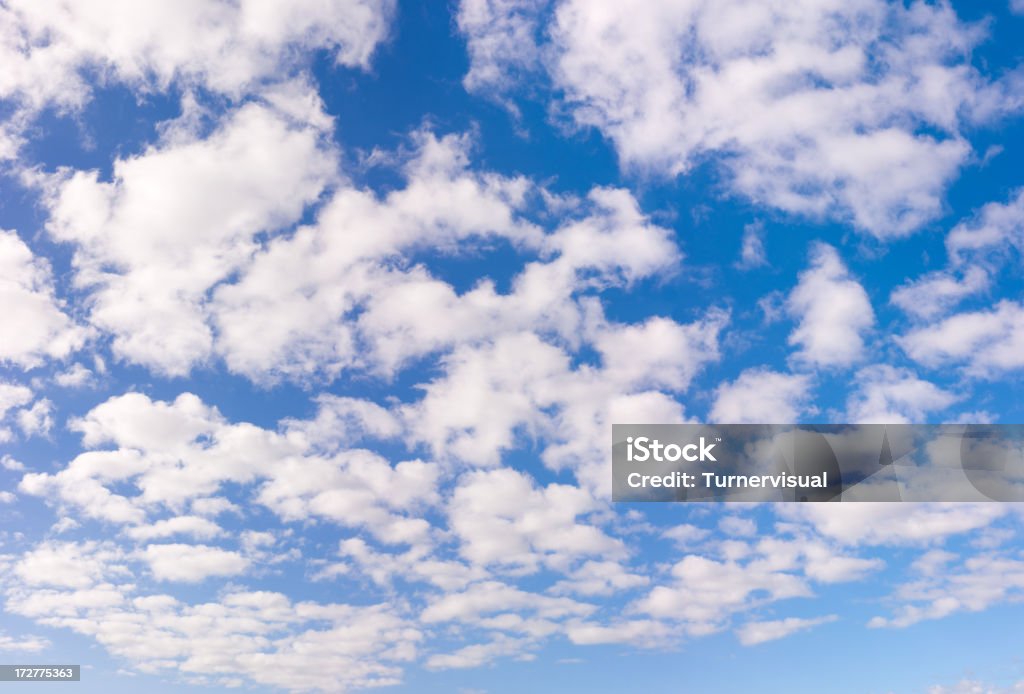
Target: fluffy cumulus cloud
(59, 55)
(34, 327)
(302, 318)
(12, 396)
(752, 252)
(704, 594)
(351, 307)
(191, 563)
(761, 396)
(897, 524)
(180, 456)
(984, 342)
(198, 266)
(179, 218)
(20, 409)
(23, 644)
(934, 294)
(170, 473)
(955, 585)
(298, 401)
(258, 636)
(55, 49)
(849, 109)
(501, 37)
(522, 387)
(753, 633)
(832, 309)
(205, 251)
(889, 395)
(501, 519)
(996, 231)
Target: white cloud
(354, 307)
(23, 644)
(936, 293)
(171, 455)
(888, 395)
(753, 633)
(986, 342)
(491, 597)
(996, 229)
(36, 420)
(738, 526)
(872, 523)
(152, 439)
(64, 524)
(213, 506)
(501, 40)
(685, 534)
(933, 562)
(198, 283)
(301, 317)
(967, 686)
(75, 376)
(192, 563)
(355, 488)
(706, 592)
(9, 463)
(416, 564)
(193, 526)
(179, 218)
(978, 248)
(342, 421)
(814, 107)
(194, 251)
(639, 632)
(262, 637)
(13, 395)
(513, 621)
(502, 519)
(472, 413)
(975, 584)
(833, 312)
(592, 407)
(530, 390)
(51, 47)
(478, 654)
(34, 326)
(66, 564)
(658, 353)
(752, 253)
(600, 578)
(761, 396)
(819, 560)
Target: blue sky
(318, 315)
